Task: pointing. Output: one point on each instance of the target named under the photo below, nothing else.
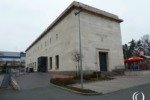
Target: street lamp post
(80, 49)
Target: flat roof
(6, 54)
(77, 5)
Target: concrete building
(59, 43)
(12, 58)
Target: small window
(50, 62)
(57, 61)
(50, 40)
(56, 36)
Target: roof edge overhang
(76, 5)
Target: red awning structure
(133, 59)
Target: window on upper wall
(50, 40)
(56, 36)
(45, 43)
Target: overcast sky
(22, 21)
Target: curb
(73, 91)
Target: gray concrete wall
(100, 34)
(51, 46)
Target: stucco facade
(100, 32)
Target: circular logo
(135, 95)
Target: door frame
(107, 51)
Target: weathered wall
(51, 46)
(100, 34)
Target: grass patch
(62, 81)
(66, 82)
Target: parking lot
(33, 80)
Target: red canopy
(133, 59)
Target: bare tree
(76, 59)
(146, 44)
(134, 47)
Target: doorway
(103, 61)
(42, 64)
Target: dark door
(42, 64)
(103, 61)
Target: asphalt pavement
(35, 86)
(53, 93)
(33, 80)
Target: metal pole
(80, 49)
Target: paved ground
(35, 86)
(121, 82)
(33, 80)
(54, 93)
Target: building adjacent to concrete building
(12, 59)
(56, 48)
